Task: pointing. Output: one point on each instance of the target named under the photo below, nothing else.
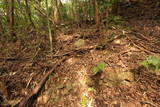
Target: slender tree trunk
(1, 28)
(97, 14)
(49, 29)
(28, 11)
(89, 10)
(106, 16)
(76, 11)
(91, 5)
(60, 5)
(84, 13)
(11, 18)
(56, 13)
(7, 11)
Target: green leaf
(96, 70)
(145, 64)
(84, 101)
(152, 63)
(101, 66)
(153, 60)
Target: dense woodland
(79, 53)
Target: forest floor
(123, 82)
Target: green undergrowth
(152, 63)
(99, 67)
(114, 20)
(84, 101)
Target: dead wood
(140, 47)
(13, 59)
(76, 50)
(25, 102)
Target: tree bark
(28, 11)
(7, 11)
(11, 18)
(56, 13)
(60, 7)
(1, 28)
(97, 17)
(76, 11)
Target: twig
(140, 47)
(149, 103)
(143, 49)
(34, 92)
(12, 59)
(75, 50)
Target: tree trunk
(97, 17)
(90, 6)
(60, 7)
(76, 11)
(28, 11)
(7, 11)
(56, 13)
(91, 13)
(1, 28)
(11, 18)
(49, 29)
(106, 15)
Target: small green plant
(91, 89)
(98, 68)
(114, 20)
(151, 63)
(83, 101)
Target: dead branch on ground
(34, 92)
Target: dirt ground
(123, 82)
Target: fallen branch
(75, 50)
(140, 47)
(13, 59)
(149, 103)
(34, 92)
